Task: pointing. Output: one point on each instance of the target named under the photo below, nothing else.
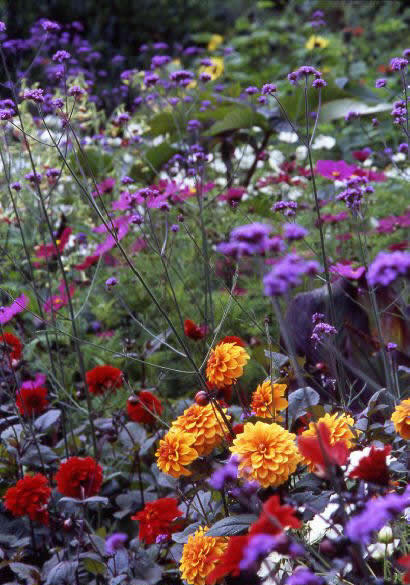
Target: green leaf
(339, 108)
(157, 156)
(94, 565)
(232, 525)
(238, 117)
(162, 123)
(93, 161)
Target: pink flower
(121, 224)
(49, 250)
(336, 170)
(105, 186)
(38, 381)
(57, 302)
(347, 271)
(7, 313)
(232, 195)
(389, 224)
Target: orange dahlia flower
(267, 452)
(206, 424)
(268, 398)
(175, 451)
(200, 556)
(401, 419)
(225, 364)
(340, 427)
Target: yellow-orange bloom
(267, 453)
(200, 555)
(225, 364)
(205, 424)
(175, 451)
(214, 42)
(401, 419)
(316, 42)
(268, 398)
(216, 68)
(339, 425)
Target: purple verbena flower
(224, 474)
(258, 547)
(33, 177)
(287, 273)
(321, 331)
(381, 82)
(318, 83)
(114, 542)
(160, 61)
(36, 95)
(268, 88)
(61, 56)
(110, 283)
(7, 114)
(2, 26)
(398, 63)
(294, 232)
(251, 90)
(387, 267)
(303, 576)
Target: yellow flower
(225, 364)
(339, 425)
(401, 419)
(175, 451)
(216, 69)
(268, 398)
(200, 555)
(214, 42)
(205, 424)
(316, 42)
(267, 453)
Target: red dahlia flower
(274, 518)
(194, 331)
(12, 345)
(228, 564)
(158, 519)
(32, 401)
(232, 339)
(102, 378)
(29, 497)
(373, 467)
(79, 477)
(142, 407)
(405, 563)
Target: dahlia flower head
(200, 556)
(175, 452)
(205, 424)
(401, 419)
(268, 398)
(79, 477)
(29, 497)
(225, 364)
(268, 453)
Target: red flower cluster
(373, 467)
(79, 477)
(29, 497)
(157, 519)
(102, 378)
(12, 345)
(194, 331)
(232, 339)
(273, 520)
(319, 451)
(32, 400)
(142, 407)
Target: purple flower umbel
(304, 576)
(224, 474)
(114, 542)
(386, 268)
(287, 273)
(257, 548)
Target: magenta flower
(335, 170)
(105, 186)
(7, 313)
(388, 224)
(121, 224)
(233, 194)
(57, 302)
(347, 271)
(38, 381)
(49, 250)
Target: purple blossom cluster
(288, 207)
(251, 240)
(399, 112)
(303, 73)
(387, 267)
(287, 273)
(355, 192)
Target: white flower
(301, 152)
(323, 141)
(289, 137)
(294, 193)
(276, 158)
(399, 157)
(269, 565)
(379, 551)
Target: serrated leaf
(47, 420)
(232, 525)
(300, 402)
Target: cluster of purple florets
(354, 193)
(303, 73)
(399, 63)
(287, 273)
(321, 329)
(388, 267)
(399, 112)
(251, 240)
(288, 207)
(318, 19)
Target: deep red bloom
(89, 261)
(274, 518)
(319, 450)
(50, 250)
(373, 467)
(141, 407)
(194, 331)
(233, 339)
(29, 497)
(102, 378)
(13, 345)
(157, 518)
(79, 477)
(238, 428)
(228, 564)
(405, 563)
(32, 401)
(399, 246)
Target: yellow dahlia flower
(214, 42)
(225, 364)
(200, 555)
(316, 42)
(339, 425)
(267, 453)
(205, 424)
(175, 451)
(401, 419)
(268, 398)
(216, 69)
